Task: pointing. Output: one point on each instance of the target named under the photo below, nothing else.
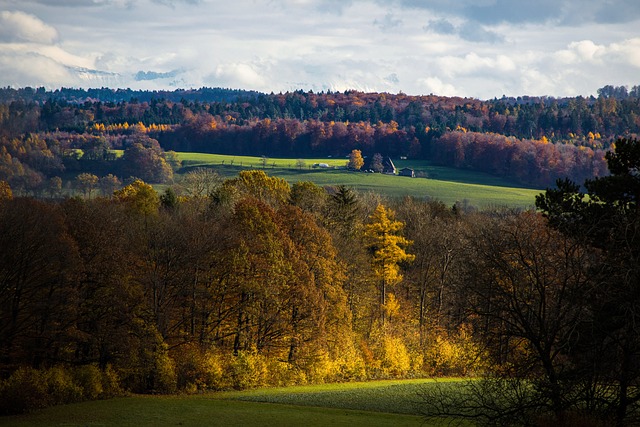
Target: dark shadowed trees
(607, 219)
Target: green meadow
(448, 185)
(378, 403)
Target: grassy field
(445, 184)
(379, 403)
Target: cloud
(440, 26)
(389, 22)
(173, 3)
(436, 86)
(475, 33)
(473, 64)
(514, 11)
(238, 75)
(84, 3)
(413, 46)
(619, 11)
(566, 12)
(470, 31)
(335, 7)
(620, 54)
(22, 27)
(25, 69)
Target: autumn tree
(108, 184)
(255, 183)
(36, 296)
(261, 259)
(376, 163)
(527, 292)
(355, 160)
(437, 245)
(86, 183)
(382, 234)
(144, 159)
(317, 301)
(139, 197)
(54, 186)
(309, 197)
(108, 316)
(200, 182)
(5, 191)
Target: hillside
(444, 184)
(526, 141)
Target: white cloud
(389, 22)
(414, 46)
(436, 86)
(22, 27)
(626, 51)
(238, 75)
(33, 70)
(585, 50)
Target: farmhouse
(387, 165)
(407, 172)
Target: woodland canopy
(251, 281)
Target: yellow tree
(140, 197)
(5, 191)
(254, 183)
(383, 239)
(355, 160)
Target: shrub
(248, 370)
(28, 389)
(111, 383)
(394, 357)
(163, 377)
(61, 387)
(198, 369)
(24, 391)
(453, 355)
(350, 364)
(90, 380)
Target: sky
(471, 48)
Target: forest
(251, 281)
(530, 140)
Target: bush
(163, 378)
(28, 389)
(395, 360)
(61, 386)
(453, 355)
(111, 383)
(248, 370)
(198, 369)
(89, 379)
(24, 391)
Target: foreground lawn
(379, 403)
(445, 184)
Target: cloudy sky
(474, 48)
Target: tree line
(251, 281)
(612, 114)
(532, 140)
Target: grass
(445, 184)
(379, 403)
